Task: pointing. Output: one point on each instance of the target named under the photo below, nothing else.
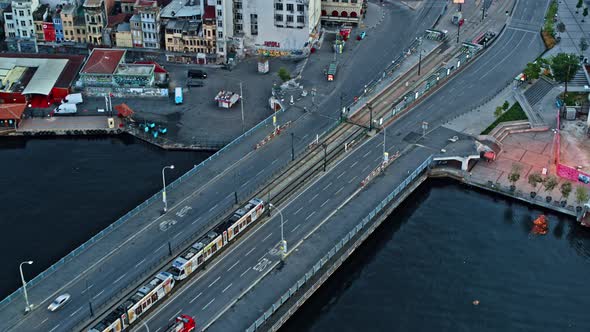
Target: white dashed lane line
(214, 281)
(195, 298)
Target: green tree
(532, 70)
(550, 183)
(585, 13)
(581, 195)
(498, 112)
(284, 74)
(506, 105)
(566, 189)
(514, 174)
(560, 27)
(579, 5)
(534, 179)
(564, 66)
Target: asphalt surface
(212, 292)
(123, 257)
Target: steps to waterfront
(535, 93)
(536, 120)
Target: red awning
(123, 110)
(12, 111)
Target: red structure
(11, 114)
(183, 323)
(48, 31)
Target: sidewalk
(575, 29)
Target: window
(8, 17)
(11, 34)
(278, 6)
(300, 19)
(289, 18)
(254, 24)
(21, 13)
(24, 33)
(23, 23)
(278, 17)
(219, 13)
(300, 8)
(238, 16)
(220, 24)
(219, 34)
(290, 7)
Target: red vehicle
(183, 323)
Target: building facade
(342, 11)
(146, 24)
(19, 26)
(95, 17)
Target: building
(123, 35)
(337, 11)
(96, 20)
(37, 79)
(107, 68)
(58, 25)
(67, 20)
(183, 10)
(11, 115)
(19, 27)
(274, 28)
(40, 15)
(189, 37)
(80, 26)
(147, 25)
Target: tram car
(201, 251)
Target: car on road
(59, 302)
(196, 73)
(195, 82)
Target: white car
(59, 302)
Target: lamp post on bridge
(28, 307)
(283, 241)
(164, 184)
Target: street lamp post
(242, 108)
(20, 267)
(325, 146)
(419, 55)
(292, 147)
(164, 184)
(283, 241)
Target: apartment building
(19, 26)
(96, 19)
(39, 16)
(342, 11)
(274, 28)
(145, 24)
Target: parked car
(195, 82)
(59, 302)
(197, 73)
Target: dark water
(57, 193)
(446, 247)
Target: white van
(74, 98)
(65, 109)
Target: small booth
(226, 99)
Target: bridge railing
(316, 267)
(132, 213)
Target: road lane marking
(87, 288)
(379, 158)
(176, 314)
(328, 186)
(349, 181)
(325, 203)
(160, 247)
(366, 154)
(97, 295)
(196, 220)
(231, 267)
(75, 312)
(351, 166)
(340, 175)
(119, 279)
(293, 230)
(195, 298)
(316, 195)
(177, 235)
(245, 183)
(364, 169)
(248, 269)
(249, 252)
(214, 206)
(267, 237)
(262, 170)
(214, 281)
(301, 208)
(54, 328)
(228, 286)
(206, 305)
(310, 215)
(274, 161)
(41, 323)
(141, 262)
(339, 190)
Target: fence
(316, 267)
(132, 213)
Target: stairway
(537, 91)
(535, 118)
(579, 79)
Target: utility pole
(325, 148)
(242, 107)
(292, 147)
(370, 116)
(458, 29)
(420, 55)
(483, 10)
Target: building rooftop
(146, 3)
(68, 9)
(134, 69)
(103, 61)
(191, 27)
(115, 20)
(124, 27)
(209, 13)
(67, 75)
(40, 12)
(11, 111)
(182, 9)
(93, 3)
(44, 77)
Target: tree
(506, 105)
(564, 66)
(284, 74)
(550, 183)
(585, 13)
(498, 112)
(532, 70)
(566, 189)
(561, 27)
(514, 174)
(581, 195)
(579, 5)
(534, 179)
(583, 44)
